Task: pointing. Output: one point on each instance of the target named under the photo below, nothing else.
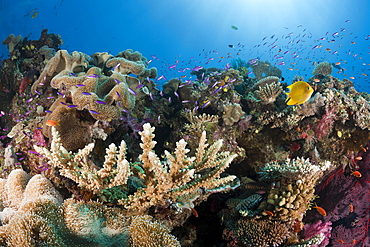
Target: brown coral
(75, 134)
(232, 113)
(104, 97)
(74, 62)
(11, 41)
(129, 62)
(252, 232)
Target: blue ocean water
(189, 33)
(178, 36)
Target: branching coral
(269, 92)
(199, 122)
(177, 180)
(76, 166)
(290, 198)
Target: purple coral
(346, 199)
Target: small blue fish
(131, 91)
(80, 85)
(72, 106)
(95, 112)
(197, 68)
(47, 111)
(93, 76)
(117, 93)
(100, 102)
(86, 93)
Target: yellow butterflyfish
(300, 92)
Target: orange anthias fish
(51, 123)
(300, 92)
(320, 210)
(356, 174)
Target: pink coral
(39, 137)
(311, 230)
(321, 128)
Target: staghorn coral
(199, 122)
(252, 232)
(76, 166)
(145, 232)
(269, 92)
(323, 68)
(62, 60)
(177, 180)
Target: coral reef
(296, 163)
